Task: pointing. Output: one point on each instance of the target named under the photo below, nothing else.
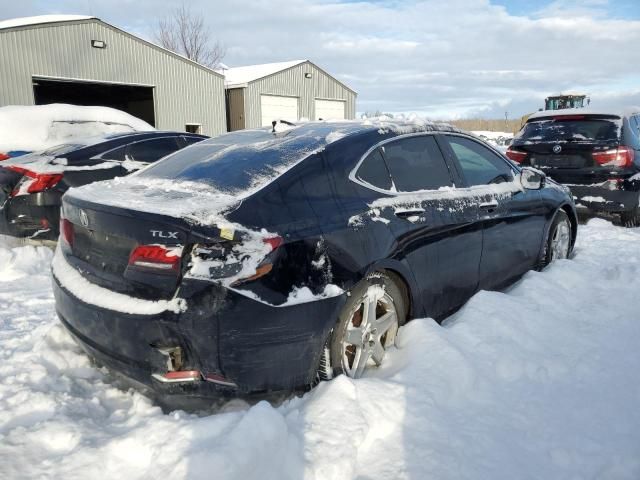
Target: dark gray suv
(595, 153)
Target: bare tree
(186, 34)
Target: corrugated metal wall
(292, 82)
(184, 92)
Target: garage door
(274, 107)
(330, 109)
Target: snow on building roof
(40, 19)
(240, 76)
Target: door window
(416, 163)
(152, 150)
(480, 166)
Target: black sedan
(261, 260)
(31, 186)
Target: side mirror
(532, 179)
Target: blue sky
(441, 58)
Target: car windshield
(237, 162)
(571, 129)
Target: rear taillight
(67, 232)
(615, 157)
(156, 258)
(33, 182)
(4, 156)
(516, 155)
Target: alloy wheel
(372, 328)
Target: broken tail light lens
(615, 157)
(4, 156)
(516, 155)
(156, 258)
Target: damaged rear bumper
(246, 346)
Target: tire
(357, 343)
(558, 243)
(631, 219)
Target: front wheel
(558, 244)
(366, 328)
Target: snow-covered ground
(538, 382)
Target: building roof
(37, 20)
(241, 76)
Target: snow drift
(537, 382)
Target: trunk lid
(117, 248)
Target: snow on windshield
(39, 127)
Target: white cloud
(452, 58)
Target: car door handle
(489, 205)
(408, 213)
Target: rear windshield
(583, 129)
(237, 161)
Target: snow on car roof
(621, 112)
(203, 203)
(40, 19)
(240, 76)
(38, 127)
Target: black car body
(595, 153)
(223, 268)
(31, 186)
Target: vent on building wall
(98, 44)
(307, 75)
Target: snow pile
(35, 128)
(537, 382)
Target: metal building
(259, 94)
(85, 61)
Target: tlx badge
(161, 234)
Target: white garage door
(330, 109)
(274, 107)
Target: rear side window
(416, 163)
(374, 171)
(480, 166)
(152, 150)
(116, 154)
(572, 129)
(191, 140)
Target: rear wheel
(631, 219)
(558, 244)
(366, 328)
